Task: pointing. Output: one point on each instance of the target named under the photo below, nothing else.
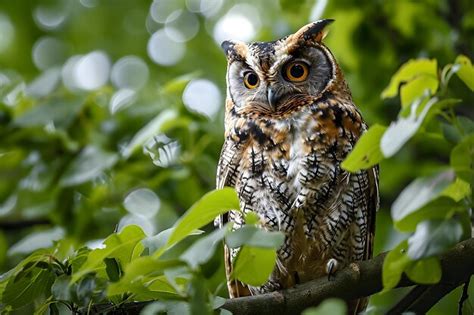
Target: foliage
(109, 171)
(436, 209)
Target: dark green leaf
(113, 269)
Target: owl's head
(267, 78)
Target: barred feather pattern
(288, 171)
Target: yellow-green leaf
(254, 265)
(366, 152)
(425, 271)
(394, 264)
(415, 88)
(466, 71)
(411, 70)
(204, 211)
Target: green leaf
(204, 211)
(462, 159)
(142, 276)
(113, 269)
(440, 208)
(254, 265)
(146, 133)
(57, 111)
(458, 190)
(425, 271)
(416, 87)
(330, 306)
(202, 250)
(159, 241)
(24, 290)
(403, 129)
(466, 71)
(394, 264)
(60, 288)
(256, 237)
(413, 69)
(123, 246)
(87, 166)
(419, 193)
(366, 152)
(433, 237)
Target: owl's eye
(251, 80)
(297, 71)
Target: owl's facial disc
(274, 77)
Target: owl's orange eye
(297, 71)
(251, 80)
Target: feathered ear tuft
(310, 33)
(234, 49)
(314, 31)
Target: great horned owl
(289, 123)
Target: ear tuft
(234, 50)
(227, 46)
(314, 32)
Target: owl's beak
(272, 97)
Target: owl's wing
(227, 172)
(373, 206)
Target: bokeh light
(208, 8)
(50, 17)
(161, 9)
(143, 202)
(47, 52)
(202, 96)
(129, 72)
(185, 22)
(88, 72)
(165, 50)
(240, 23)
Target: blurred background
(111, 111)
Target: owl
(289, 123)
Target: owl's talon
(331, 267)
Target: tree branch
(358, 280)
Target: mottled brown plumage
(289, 123)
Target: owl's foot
(331, 267)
